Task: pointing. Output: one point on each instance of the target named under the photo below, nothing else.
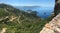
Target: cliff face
(54, 25)
(57, 7)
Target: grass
(24, 27)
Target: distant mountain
(11, 10)
(13, 20)
(42, 11)
(28, 7)
(33, 7)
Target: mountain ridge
(12, 18)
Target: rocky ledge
(53, 26)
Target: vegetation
(24, 23)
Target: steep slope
(57, 7)
(18, 21)
(53, 26)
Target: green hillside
(19, 21)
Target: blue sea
(43, 12)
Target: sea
(43, 12)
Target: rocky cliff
(57, 7)
(54, 25)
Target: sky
(44, 3)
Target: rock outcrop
(57, 7)
(53, 26)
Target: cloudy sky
(45, 3)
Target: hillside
(13, 20)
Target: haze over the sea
(48, 5)
(45, 3)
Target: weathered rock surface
(57, 7)
(53, 26)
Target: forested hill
(11, 10)
(19, 21)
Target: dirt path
(3, 30)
